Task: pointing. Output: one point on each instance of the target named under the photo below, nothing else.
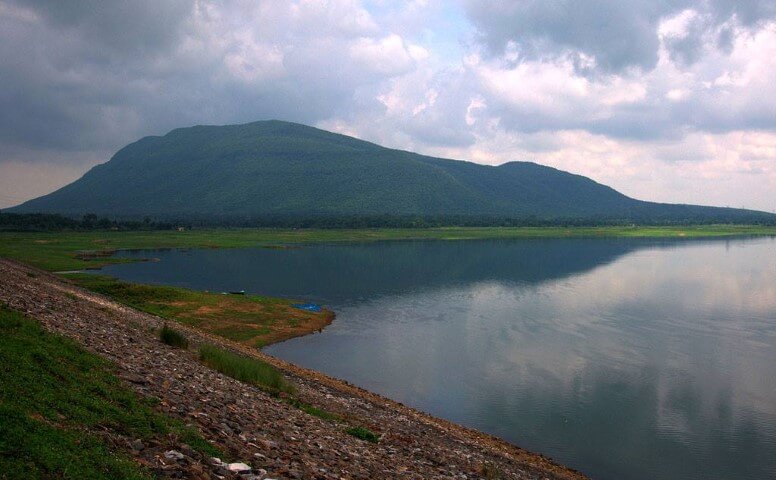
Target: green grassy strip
(53, 393)
(245, 369)
(59, 251)
(154, 299)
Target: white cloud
(388, 55)
(678, 25)
(668, 104)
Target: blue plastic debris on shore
(310, 307)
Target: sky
(664, 100)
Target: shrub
(363, 434)
(173, 337)
(490, 472)
(245, 369)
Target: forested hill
(273, 168)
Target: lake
(623, 358)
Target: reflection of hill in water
(334, 273)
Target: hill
(280, 168)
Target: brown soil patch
(205, 310)
(93, 254)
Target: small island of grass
(251, 320)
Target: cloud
(86, 74)
(387, 56)
(717, 91)
(618, 34)
(140, 27)
(633, 93)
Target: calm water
(627, 359)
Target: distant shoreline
(77, 250)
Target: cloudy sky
(666, 100)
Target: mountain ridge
(281, 168)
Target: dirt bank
(254, 427)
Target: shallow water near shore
(623, 358)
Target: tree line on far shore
(44, 222)
(47, 222)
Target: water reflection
(623, 358)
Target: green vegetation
(245, 369)
(173, 337)
(249, 319)
(280, 168)
(313, 410)
(54, 394)
(261, 374)
(363, 434)
(50, 222)
(78, 250)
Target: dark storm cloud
(71, 71)
(607, 29)
(82, 75)
(125, 27)
(620, 34)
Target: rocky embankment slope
(276, 439)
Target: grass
(173, 337)
(54, 395)
(314, 411)
(245, 369)
(268, 378)
(248, 319)
(363, 434)
(60, 251)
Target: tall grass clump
(244, 369)
(173, 337)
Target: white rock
(239, 467)
(173, 455)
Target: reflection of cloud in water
(658, 352)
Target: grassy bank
(248, 319)
(77, 250)
(55, 397)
